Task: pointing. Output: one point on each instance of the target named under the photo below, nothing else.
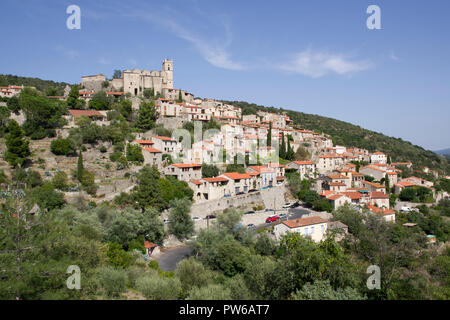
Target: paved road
(169, 258)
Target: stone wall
(270, 197)
(171, 123)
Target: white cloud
(215, 51)
(394, 57)
(103, 61)
(318, 64)
(69, 53)
(132, 62)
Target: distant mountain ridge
(443, 152)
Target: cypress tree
(80, 166)
(387, 184)
(290, 152)
(269, 135)
(283, 147)
(17, 147)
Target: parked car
(250, 226)
(166, 220)
(196, 218)
(272, 219)
(286, 205)
(210, 216)
(282, 216)
(250, 212)
(267, 210)
(295, 205)
(405, 209)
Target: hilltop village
(252, 155)
(155, 193)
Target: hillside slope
(350, 135)
(342, 133)
(39, 84)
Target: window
(312, 230)
(306, 231)
(321, 228)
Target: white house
(313, 227)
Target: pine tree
(389, 160)
(73, 101)
(283, 147)
(17, 147)
(80, 167)
(146, 115)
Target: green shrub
(62, 147)
(154, 287)
(113, 281)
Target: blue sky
(311, 56)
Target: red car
(272, 219)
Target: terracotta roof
(337, 184)
(353, 195)
(163, 138)
(149, 244)
(378, 195)
(152, 150)
(406, 184)
(379, 210)
(86, 113)
(196, 182)
(302, 222)
(186, 165)
(237, 176)
(216, 179)
(326, 193)
(373, 184)
(337, 176)
(335, 197)
(303, 162)
(144, 142)
(262, 169)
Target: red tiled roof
(337, 184)
(302, 222)
(303, 162)
(354, 195)
(149, 244)
(86, 113)
(152, 150)
(186, 165)
(335, 197)
(196, 182)
(237, 176)
(144, 142)
(378, 195)
(216, 179)
(373, 184)
(163, 138)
